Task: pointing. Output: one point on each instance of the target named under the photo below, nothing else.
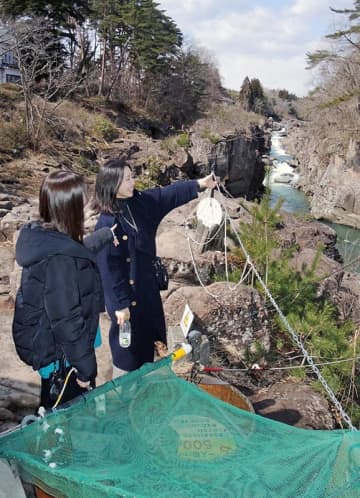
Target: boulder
(233, 316)
(13, 220)
(347, 297)
(7, 259)
(294, 404)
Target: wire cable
(72, 369)
(283, 318)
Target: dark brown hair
(61, 203)
(108, 181)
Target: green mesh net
(152, 434)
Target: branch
(316, 58)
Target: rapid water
(294, 200)
(348, 239)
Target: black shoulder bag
(161, 273)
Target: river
(348, 239)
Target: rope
(197, 273)
(207, 240)
(296, 339)
(190, 240)
(257, 368)
(283, 318)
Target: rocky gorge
(237, 322)
(329, 168)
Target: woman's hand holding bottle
(122, 316)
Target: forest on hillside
(128, 52)
(132, 53)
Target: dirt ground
(20, 385)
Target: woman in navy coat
(127, 271)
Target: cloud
(268, 40)
(310, 8)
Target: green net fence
(152, 434)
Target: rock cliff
(236, 157)
(329, 174)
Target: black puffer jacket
(58, 304)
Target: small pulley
(200, 347)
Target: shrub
(150, 176)
(308, 311)
(11, 92)
(212, 137)
(183, 140)
(169, 144)
(12, 136)
(105, 129)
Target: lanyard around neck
(131, 221)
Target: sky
(266, 39)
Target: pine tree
(350, 36)
(61, 17)
(252, 96)
(111, 20)
(309, 312)
(59, 13)
(135, 36)
(157, 39)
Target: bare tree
(45, 78)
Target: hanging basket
(40, 493)
(226, 392)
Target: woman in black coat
(58, 304)
(127, 271)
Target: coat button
(133, 303)
(131, 282)
(124, 237)
(128, 260)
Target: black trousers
(48, 398)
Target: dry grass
(222, 119)
(9, 92)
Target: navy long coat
(127, 270)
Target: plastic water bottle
(125, 334)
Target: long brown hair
(61, 203)
(108, 181)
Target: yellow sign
(186, 320)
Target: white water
(348, 239)
(293, 200)
(277, 150)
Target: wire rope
(283, 318)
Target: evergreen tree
(60, 13)
(112, 21)
(157, 39)
(244, 95)
(181, 92)
(61, 17)
(350, 35)
(135, 37)
(253, 97)
(308, 311)
(286, 95)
